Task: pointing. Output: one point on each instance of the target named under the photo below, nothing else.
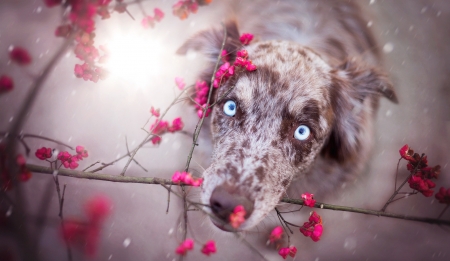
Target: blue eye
(302, 132)
(229, 108)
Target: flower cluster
(276, 234)
(70, 161)
(6, 84)
(285, 251)
(421, 174)
(443, 196)
(313, 228)
(201, 97)
(188, 244)
(308, 199)
(238, 216)
(149, 21)
(5, 178)
(82, 24)
(44, 153)
(20, 56)
(154, 112)
(180, 83)
(227, 70)
(186, 178)
(246, 38)
(209, 248)
(160, 127)
(86, 234)
(183, 8)
(184, 247)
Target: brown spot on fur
(259, 172)
(232, 170)
(285, 182)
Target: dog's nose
(225, 198)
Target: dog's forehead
(286, 73)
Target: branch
(369, 212)
(152, 180)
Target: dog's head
(277, 120)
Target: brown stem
(200, 123)
(133, 152)
(404, 182)
(443, 211)
(61, 205)
(165, 182)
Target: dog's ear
(354, 95)
(209, 42)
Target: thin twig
(200, 123)
(404, 182)
(61, 205)
(133, 153)
(134, 160)
(93, 164)
(443, 211)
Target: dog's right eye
(302, 132)
(229, 108)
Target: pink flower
(43, 153)
(308, 199)
(225, 56)
(443, 196)
(180, 83)
(154, 112)
(276, 234)
(406, 153)
(6, 84)
(313, 228)
(20, 56)
(63, 30)
(285, 251)
(177, 125)
(186, 178)
(187, 245)
(97, 209)
(148, 22)
(86, 235)
(424, 186)
(242, 53)
(238, 216)
(63, 156)
(81, 152)
(246, 38)
(71, 163)
(52, 3)
(159, 14)
(209, 248)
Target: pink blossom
(187, 245)
(313, 228)
(6, 84)
(246, 38)
(63, 30)
(443, 196)
(159, 14)
(225, 56)
(276, 234)
(180, 83)
(308, 199)
(285, 251)
(242, 53)
(98, 208)
(81, 152)
(148, 21)
(71, 163)
(238, 216)
(20, 56)
(177, 125)
(154, 112)
(43, 153)
(209, 248)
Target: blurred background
(101, 116)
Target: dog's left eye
(229, 108)
(302, 132)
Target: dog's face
(275, 122)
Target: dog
(306, 113)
